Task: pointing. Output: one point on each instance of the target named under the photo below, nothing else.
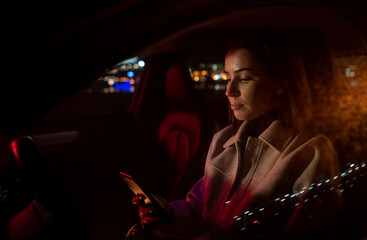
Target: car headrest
(179, 88)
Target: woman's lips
(236, 106)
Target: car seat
(172, 129)
(18, 208)
(49, 215)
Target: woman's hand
(150, 217)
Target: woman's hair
(300, 62)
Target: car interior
(62, 149)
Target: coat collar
(240, 135)
(276, 135)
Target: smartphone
(137, 188)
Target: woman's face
(251, 91)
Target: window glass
(121, 78)
(208, 76)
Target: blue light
(130, 74)
(123, 86)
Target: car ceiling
(208, 36)
(63, 45)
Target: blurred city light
(123, 86)
(130, 74)
(216, 77)
(141, 63)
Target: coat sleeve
(187, 215)
(320, 200)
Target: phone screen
(137, 188)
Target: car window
(110, 93)
(121, 78)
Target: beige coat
(241, 175)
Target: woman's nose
(232, 89)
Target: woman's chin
(241, 116)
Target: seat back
(51, 213)
(179, 133)
(174, 137)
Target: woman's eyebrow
(241, 69)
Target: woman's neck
(259, 124)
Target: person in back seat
(271, 152)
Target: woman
(270, 150)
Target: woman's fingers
(150, 217)
(138, 200)
(149, 222)
(146, 211)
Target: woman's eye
(246, 79)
